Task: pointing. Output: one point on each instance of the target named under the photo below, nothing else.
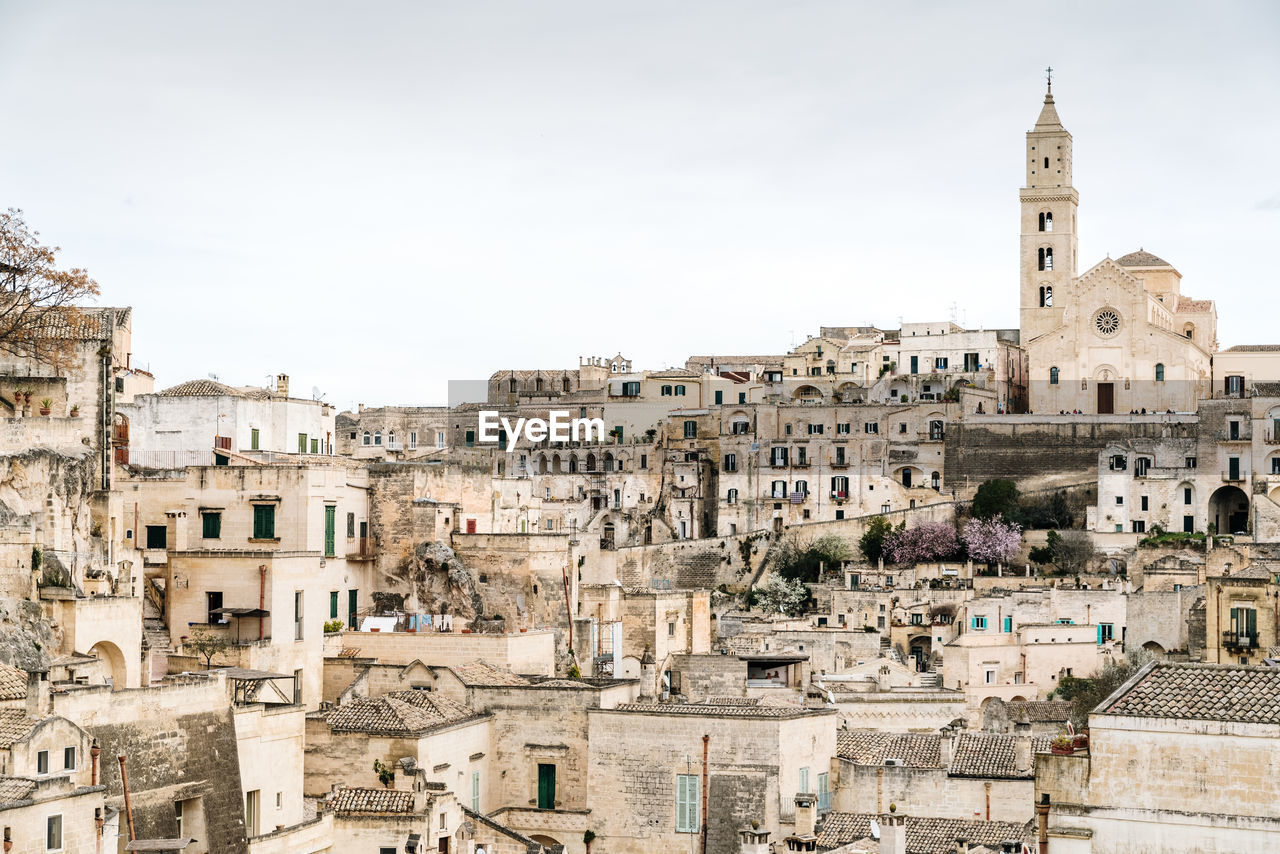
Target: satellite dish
(316, 394)
(213, 377)
(875, 829)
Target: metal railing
(1240, 640)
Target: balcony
(1234, 476)
(360, 549)
(1272, 437)
(395, 446)
(1244, 434)
(839, 494)
(1240, 640)
(222, 443)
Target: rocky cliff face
(439, 582)
(46, 499)
(26, 638)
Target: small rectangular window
(69, 758)
(212, 524)
(42, 762)
(264, 522)
(297, 615)
(687, 805)
(53, 833)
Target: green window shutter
(330, 522)
(212, 526)
(253, 439)
(333, 605)
(264, 522)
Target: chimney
(1022, 746)
(962, 845)
(806, 814)
(282, 385)
(37, 694)
(753, 841)
(1011, 846)
(945, 743)
(884, 678)
(893, 832)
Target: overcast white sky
(378, 197)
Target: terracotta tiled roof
(1194, 306)
(347, 801)
(865, 747)
(1142, 258)
(482, 673)
(201, 388)
(1212, 692)
(991, 755)
(13, 682)
(394, 715)
(436, 705)
(1040, 711)
(733, 701)
(14, 725)
(15, 789)
(673, 373)
(924, 835)
(1253, 348)
(717, 711)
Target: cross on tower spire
(1049, 76)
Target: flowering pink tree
(992, 540)
(930, 541)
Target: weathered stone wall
(931, 792)
(180, 741)
(1023, 447)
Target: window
(802, 487)
(1008, 625)
(1119, 500)
(779, 489)
(971, 362)
(1139, 527)
(978, 623)
(157, 536)
(1140, 466)
(990, 677)
(840, 449)
(377, 437)
(302, 442)
(842, 429)
(742, 397)
(1190, 462)
(840, 487)
(333, 604)
(413, 439)
(42, 762)
(815, 429)
(330, 532)
(439, 438)
(804, 781)
(315, 446)
(730, 462)
(546, 786)
(367, 437)
(1159, 373)
(1143, 502)
(211, 521)
(1046, 218)
(69, 758)
(297, 615)
(264, 522)
(671, 630)
(871, 427)
(719, 397)
(297, 687)
(177, 814)
(475, 791)
(351, 526)
(253, 438)
(53, 833)
(778, 456)
(1106, 633)
(1234, 386)
(731, 497)
(251, 811)
(1053, 376)
(691, 429)
(1119, 462)
(687, 806)
(666, 391)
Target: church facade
(1120, 337)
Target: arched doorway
(1154, 648)
(114, 659)
(545, 841)
(1229, 510)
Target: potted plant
(75, 410)
(46, 406)
(1080, 741)
(1061, 745)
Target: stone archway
(1229, 510)
(111, 655)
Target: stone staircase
(156, 642)
(931, 679)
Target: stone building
(1176, 762)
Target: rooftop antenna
(955, 311)
(213, 377)
(316, 393)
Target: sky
(377, 197)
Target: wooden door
(1106, 398)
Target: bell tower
(1047, 260)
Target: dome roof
(1142, 258)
